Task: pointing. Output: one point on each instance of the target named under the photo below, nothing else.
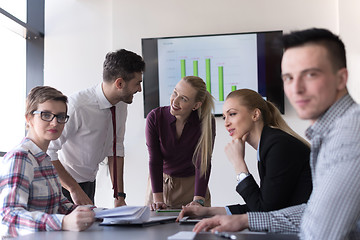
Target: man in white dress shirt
(87, 138)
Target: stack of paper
(124, 215)
(183, 235)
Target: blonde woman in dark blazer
(283, 157)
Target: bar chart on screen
(224, 64)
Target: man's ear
(119, 83)
(342, 75)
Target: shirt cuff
(53, 155)
(228, 212)
(243, 179)
(54, 222)
(259, 221)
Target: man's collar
(326, 119)
(102, 100)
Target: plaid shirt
(333, 210)
(30, 192)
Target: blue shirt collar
(335, 111)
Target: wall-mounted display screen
(225, 62)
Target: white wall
(78, 35)
(350, 33)
(80, 32)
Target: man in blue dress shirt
(314, 73)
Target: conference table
(151, 232)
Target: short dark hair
(122, 63)
(320, 36)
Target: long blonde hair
(270, 115)
(205, 144)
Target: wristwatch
(241, 176)
(200, 201)
(121, 194)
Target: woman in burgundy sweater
(180, 140)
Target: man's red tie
(114, 152)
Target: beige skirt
(177, 192)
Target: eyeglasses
(48, 116)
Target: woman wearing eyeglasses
(30, 191)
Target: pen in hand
(225, 235)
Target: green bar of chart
(195, 68)
(195, 63)
(183, 68)
(221, 83)
(233, 88)
(208, 75)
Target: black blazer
(285, 175)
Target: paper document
(183, 235)
(124, 215)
